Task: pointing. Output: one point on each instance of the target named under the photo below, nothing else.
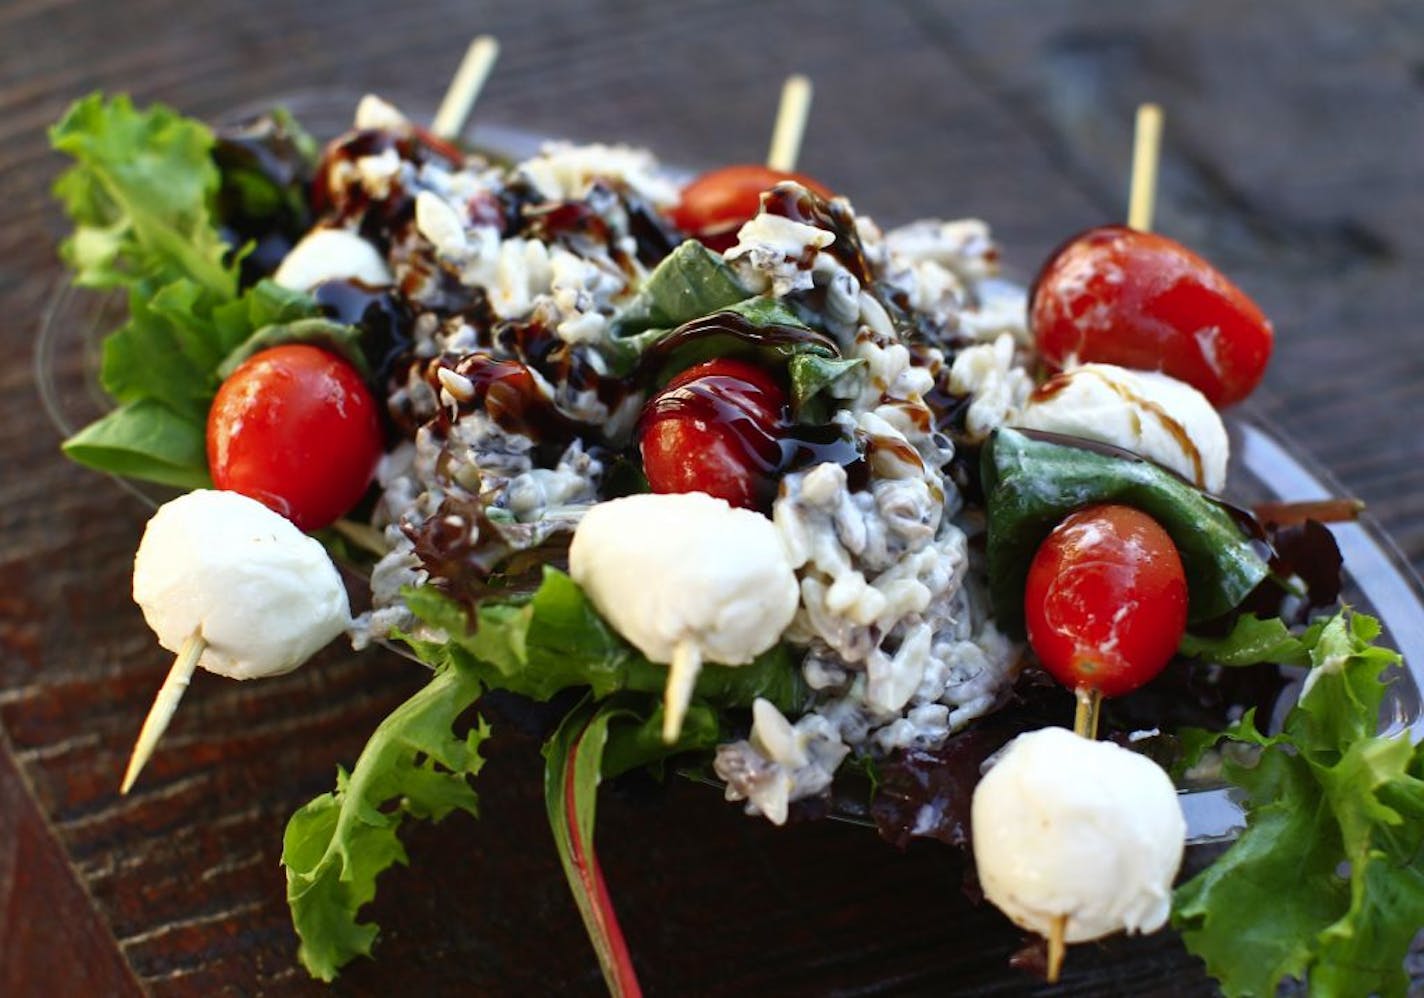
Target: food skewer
(198, 549)
(790, 125)
(1146, 151)
(449, 122)
(165, 704)
(465, 87)
(1142, 195)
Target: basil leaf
(334, 848)
(1032, 483)
(337, 337)
(556, 641)
(811, 374)
(690, 281)
(266, 303)
(144, 440)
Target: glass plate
(1265, 465)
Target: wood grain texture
(1293, 151)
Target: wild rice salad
(900, 650)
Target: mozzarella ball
(1067, 826)
(331, 255)
(263, 596)
(669, 568)
(1149, 413)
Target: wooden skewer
(164, 705)
(1146, 150)
(790, 124)
(1057, 948)
(682, 677)
(1085, 725)
(465, 87)
(1085, 718)
(363, 535)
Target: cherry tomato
(1137, 299)
(714, 205)
(295, 428)
(715, 428)
(1106, 600)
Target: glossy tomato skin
(716, 204)
(1119, 296)
(1106, 600)
(295, 428)
(715, 428)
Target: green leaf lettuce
(1326, 884)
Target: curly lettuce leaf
(1326, 884)
(414, 766)
(556, 640)
(140, 194)
(1254, 640)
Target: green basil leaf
(339, 338)
(811, 374)
(690, 281)
(144, 440)
(1031, 484)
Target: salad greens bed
(1326, 884)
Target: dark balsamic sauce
(759, 431)
(263, 150)
(745, 336)
(790, 200)
(383, 319)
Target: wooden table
(1295, 137)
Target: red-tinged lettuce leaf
(556, 640)
(598, 739)
(415, 765)
(1326, 884)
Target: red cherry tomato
(1106, 600)
(715, 428)
(295, 428)
(714, 205)
(1120, 296)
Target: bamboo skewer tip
(682, 678)
(469, 79)
(1146, 152)
(165, 704)
(1057, 947)
(790, 127)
